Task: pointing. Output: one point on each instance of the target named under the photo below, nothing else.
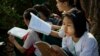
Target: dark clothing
(50, 39)
(54, 21)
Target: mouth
(67, 33)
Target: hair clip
(73, 15)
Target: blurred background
(11, 12)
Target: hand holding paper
(39, 25)
(18, 32)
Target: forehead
(67, 20)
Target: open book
(18, 32)
(1, 43)
(39, 25)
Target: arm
(17, 45)
(60, 33)
(31, 39)
(54, 33)
(56, 27)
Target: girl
(67, 5)
(64, 6)
(77, 39)
(44, 14)
(28, 48)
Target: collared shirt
(86, 46)
(31, 39)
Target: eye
(63, 24)
(69, 25)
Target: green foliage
(38, 2)
(8, 16)
(11, 13)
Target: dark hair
(70, 2)
(79, 20)
(27, 13)
(78, 5)
(47, 4)
(43, 9)
(74, 3)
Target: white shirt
(31, 39)
(86, 46)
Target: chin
(60, 10)
(68, 34)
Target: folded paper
(18, 32)
(39, 25)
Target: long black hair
(79, 21)
(41, 8)
(73, 3)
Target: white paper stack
(18, 32)
(39, 25)
(1, 43)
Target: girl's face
(26, 21)
(41, 16)
(60, 5)
(68, 27)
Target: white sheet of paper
(18, 32)
(39, 25)
(1, 43)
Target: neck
(75, 39)
(44, 18)
(67, 9)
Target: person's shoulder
(73, 9)
(90, 35)
(90, 38)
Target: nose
(65, 28)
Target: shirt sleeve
(31, 39)
(90, 48)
